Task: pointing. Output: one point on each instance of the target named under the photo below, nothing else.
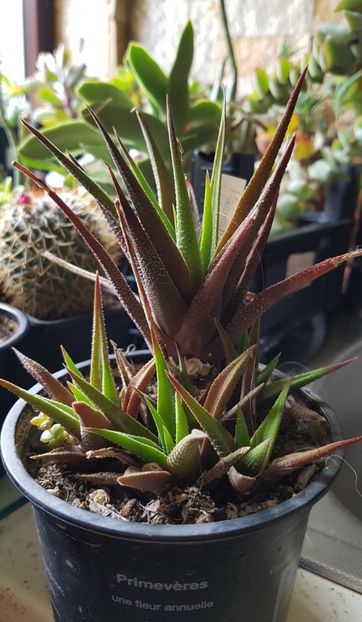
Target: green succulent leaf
(179, 76)
(119, 419)
(150, 77)
(299, 381)
(265, 375)
(55, 410)
(140, 447)
(255, 461)
(96, 91)
(269, 428)
(242, 437)
(220, 438)
(186, 236)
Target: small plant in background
(327, 116)
(200, 411)
(141, 83)
(32, 225)
(52, 89)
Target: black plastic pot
(45, 337)
(104, 570)
(323, 295)
(237, 164)
(10, 368)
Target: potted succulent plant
(186, 445)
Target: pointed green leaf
(179, 75)
(268, 370)
(164, 436)
(186, 236)
(55, 389)
(119, 419)
(215, 182)
(299, 381)
(206, 226)
(182, 427)
(220, 438)
(55, 410)
(148, 74)
(242, 437)
(256, 459)
(269, 428)
(163, 180)
(136, 445)
(165, 393)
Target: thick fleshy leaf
(139, 382)
(299, 459)
(242, 437)
(219, 436)
(55, 389)
(184, 459)
(165, 392)
(168, 306)
(164, 437)
(60, 413)
(164, 185)
(260, 218)
(248, 382)
(150, 216)
(265, 375)
(255, 461)
(206, 226)
(97, 346)
(186, 235)
(244, 318)
(182, 426)
(241, 483)
(108, 384)
(222, 466)
(150, 77)
(260, 177)
(140, 447)
(121, 287)
(146, 481)
(243, 402)
(299, 381)
(72, 166)
(225, 383)
(179, 76)
(269, 428)
(143, 183)
(119, 419)
(238, 290)
(215, 182)
(90, 417)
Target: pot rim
(22, 328)
(115, 528)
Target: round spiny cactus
(32, 224)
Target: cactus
(31, 225)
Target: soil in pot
(8, 326)
(92, 484)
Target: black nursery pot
(45, 337)
(10, 367)
(101, 569)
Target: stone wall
(257, 26)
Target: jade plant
(200, 411)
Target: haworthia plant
(201, 411)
